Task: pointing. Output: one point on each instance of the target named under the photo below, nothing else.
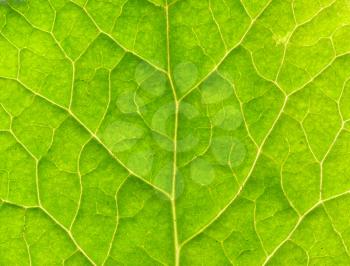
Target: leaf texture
(174, 132)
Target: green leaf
(174, 132)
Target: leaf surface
(174, 132)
